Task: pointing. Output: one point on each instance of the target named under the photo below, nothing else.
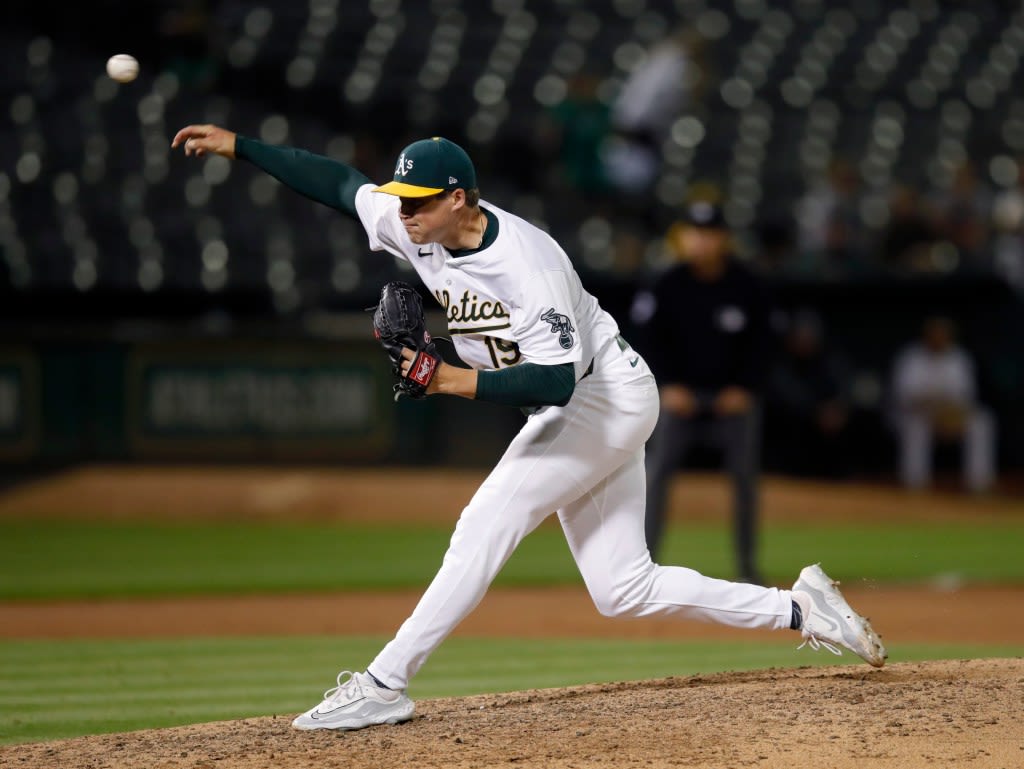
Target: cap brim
(407, 190)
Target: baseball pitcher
(535, 339)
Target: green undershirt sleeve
(528, 384)
(319, 178)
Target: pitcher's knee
(624, 600)
(610, 606)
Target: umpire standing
(705, 331)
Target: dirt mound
(949, 713)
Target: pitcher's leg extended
(605, 531)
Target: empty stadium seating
(93, 203)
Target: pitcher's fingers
(186, 133)
(180, 136)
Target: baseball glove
(398, 322)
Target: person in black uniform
(704, 327)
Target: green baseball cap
(430, 166)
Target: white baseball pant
(586, 461)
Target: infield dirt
(948, 713)
(945, 714)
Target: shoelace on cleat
(344, 688)
(816, 644)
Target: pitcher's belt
(622, 343)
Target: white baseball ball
(123, 67)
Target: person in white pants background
(935, 399)
(535, 339)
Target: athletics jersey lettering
(470, 309)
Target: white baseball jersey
(517, 300)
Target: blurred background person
(935, 399)
(660, 89)
(704, 328)
(807, 404)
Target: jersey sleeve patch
(561, 325)
(544, 323)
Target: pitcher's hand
(202, 139)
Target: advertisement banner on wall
(268, 401)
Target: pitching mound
(950, 713)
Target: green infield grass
(73, 559)
(57, 689)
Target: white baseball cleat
(829, 620)
(355, 703)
